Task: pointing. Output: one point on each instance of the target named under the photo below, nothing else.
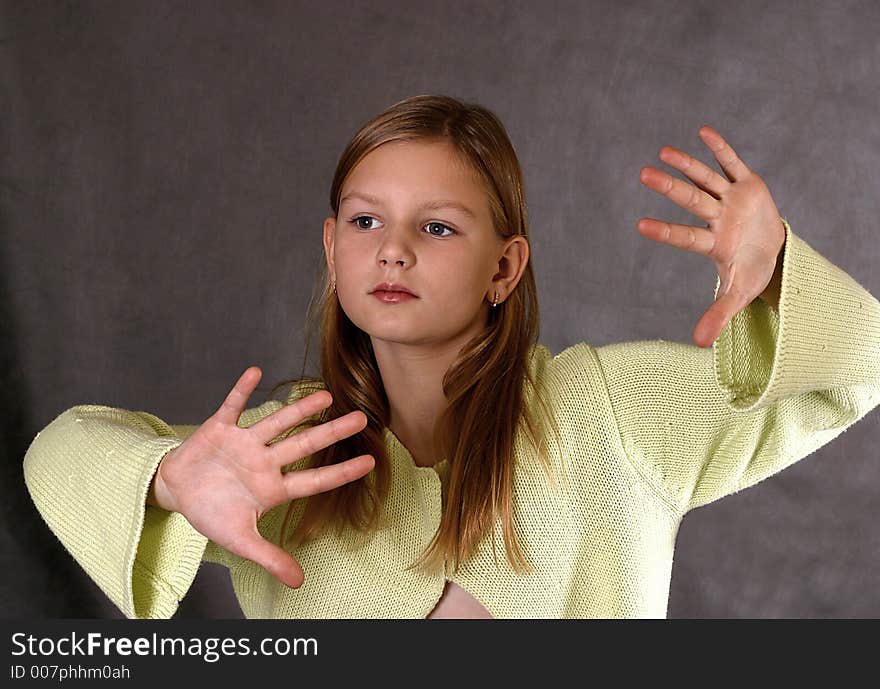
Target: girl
(439, 427)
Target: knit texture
(649, 431)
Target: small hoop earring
(495, 301)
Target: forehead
(424, 168)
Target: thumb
(713, 321)
(273, 559)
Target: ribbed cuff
(826, 334)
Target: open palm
(744, 234)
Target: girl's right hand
(223, 478)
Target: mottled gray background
(164, 172)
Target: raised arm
(701, 424)
(90, 470)
(88, 473)
(795, 345)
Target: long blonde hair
(485, 387)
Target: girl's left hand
(744, 235)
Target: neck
(413, 380)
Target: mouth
(392, 297)
(390, 288)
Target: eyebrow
(430, 205)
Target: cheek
(461, 281)
(348, 256)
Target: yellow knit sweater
(650, 430)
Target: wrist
(154, 490)
(151, 493)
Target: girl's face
(414, 214)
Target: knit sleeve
(700, 424)
(88, 473)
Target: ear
(329, 238)
(511, 264)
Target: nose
(394, 250)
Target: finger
(702, 175)
(680, 192)
(273, 559)
(733, 167)
(290, 415)
(236, 400)
(311, 440)
(305, 482)
(716, 318)
(696, 239)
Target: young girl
(440, 429)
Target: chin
(399, 333)
(403, 336)
(383, 327)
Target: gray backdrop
(164, 172)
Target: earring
(495, 301)
(334, 287)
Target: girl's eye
(439, 224)
(430, 225)
(357, 220)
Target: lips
(393, 297)
(392, 288)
